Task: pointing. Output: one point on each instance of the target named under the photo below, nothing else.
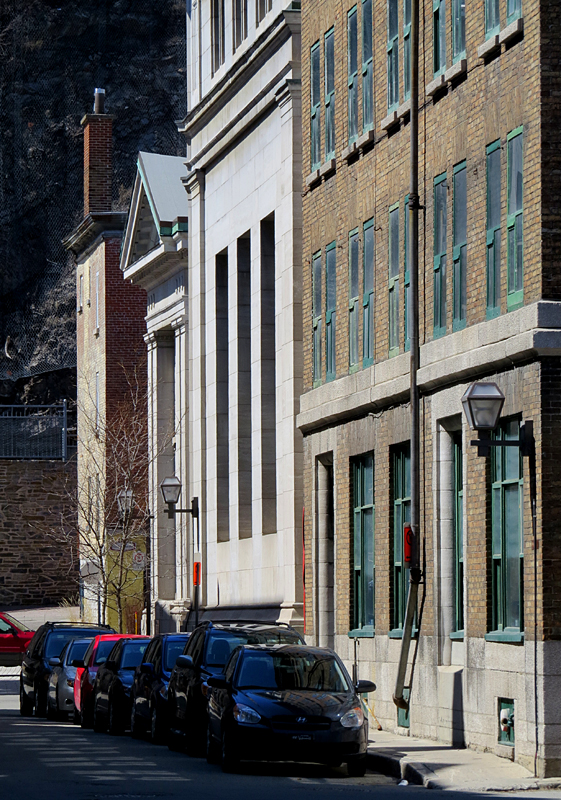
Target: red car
(14, 638)
(86, 670)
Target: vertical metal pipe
(415, 571)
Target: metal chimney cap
(99, 101)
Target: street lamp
(483, 403)
(124, 502)
(170, 488)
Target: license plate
(302, 737)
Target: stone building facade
(488, 620)
(243, 132)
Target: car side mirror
(215, 682)
(185, 662)
(147, 668)
(78, 663)
(364, 687)
(54, 662)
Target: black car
(113, 683)
(287, 703)
(150, 685)
(206, 654)
(48, 642)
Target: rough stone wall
(35, 569)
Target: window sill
(353, 368)
(438, 333)
(493, 313)
(327, 168)
(361, 633)
(393, 351)
(313, 178)
(366, 139)
(435, 86)
(389, 121)
(457, 636)
(349, 151)
(514, 301)
(404, 109)
(458, 325)
(511, 31)
(317, 384)
(514, 637)
(456, 71)
(397, 633)
(489, 46)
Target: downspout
(415, 571)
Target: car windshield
(132, 654)
(221, 643)
(291, 671)
(77, 651)
(103, 650)
(173, 649)
(57, 640)
(15, 622)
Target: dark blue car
(150, 685)
(287, 703)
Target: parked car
(60, 694)
(206, 654)
(49, 640)
(287, 703)
(14, 639)
(113, 683)
(150, 685)
(86, 670)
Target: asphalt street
(60, 761)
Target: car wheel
(212, 749)
(157, 728)
(176, 742)
(230, 760)
(25, 704)
(136, 728)
(86, 716)
(115, 725)
(76, 717)
(40, 702)
(99, 724)
(356, 768)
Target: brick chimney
(98, 132)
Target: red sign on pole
(408, 544)
(196, 573)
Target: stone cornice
(93, 226)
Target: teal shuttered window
(401, 486)
(364, 568)
(494, 229)
(393, 55)
(439, 301)
(393, 258)
(515, 219)
(315, 130)
(353, 298)
(317, 318)
(460, 246)
(330, 305)
(330, 94)
(352, 73)
(367, 67)
(368, 294)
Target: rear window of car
(291, 672)
(222, 643)
(103, 650)
(16, 623)
(132, 654)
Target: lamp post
(483, 403)
(170, 488)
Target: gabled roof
(159, 207)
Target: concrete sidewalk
(437, 766)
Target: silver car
(60, 694)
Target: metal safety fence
(33, 432)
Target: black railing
(33, 432)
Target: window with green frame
(492, 18)
(367, 67)
(315, 131)
(458, 30)
(439, 36)
(513, 10)
(440, 189)
(368, 294)
(507, 552)
(494, 229)
(401, 488)
(364, 568)
(330, 94)
(352, 73)
(515, 219)
(458, 534)
(406, 49)
(406, 277)
(330, 305)
(393, 55)
(460, 246)
(316, 315)
(353, 298)
(393, 288)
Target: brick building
(111, 384)
(489, 231)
